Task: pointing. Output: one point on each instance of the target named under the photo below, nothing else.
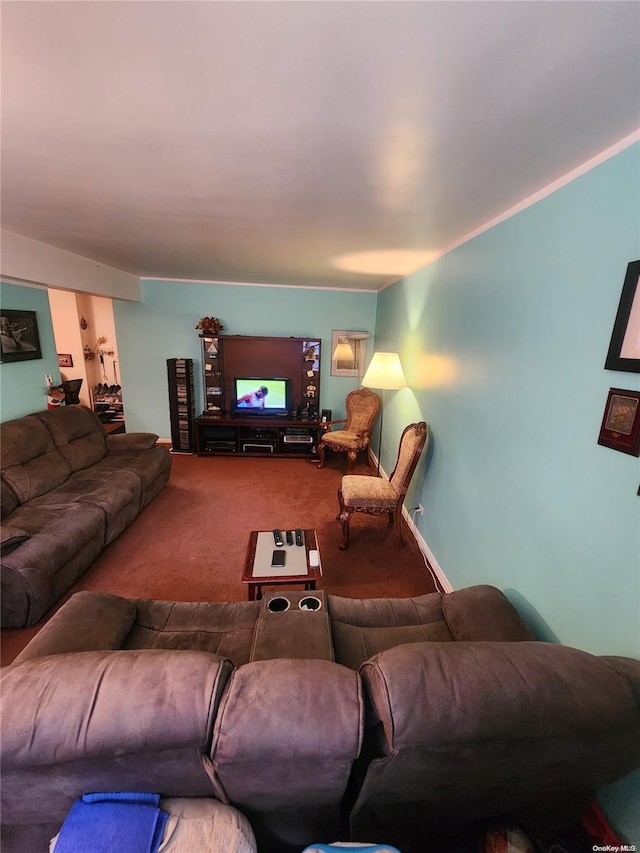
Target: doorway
(86, 342)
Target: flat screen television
(261, 395)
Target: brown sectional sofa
(68, 490)
(376, 720)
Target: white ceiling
(261, 141)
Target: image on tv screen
(261, 394)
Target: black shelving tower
(182, 404)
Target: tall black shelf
(182, 404)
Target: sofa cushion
(31, 463)
(117, 494)
(147, 465)
(363, 627)
(77, 433)
(225, 629)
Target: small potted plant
(210, 325)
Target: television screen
(261, 395)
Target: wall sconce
(347, 353)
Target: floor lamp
(384, 373)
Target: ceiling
(269, 141)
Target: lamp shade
(385, 372)
(343, 352)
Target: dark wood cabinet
(223, 430)
(256, 436)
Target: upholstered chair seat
(368, 493)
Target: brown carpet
(189, 544)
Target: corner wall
(503, 341)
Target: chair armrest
(87, 622)
(326, 426)
(131, 441)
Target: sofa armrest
(131, 441)
(483, 612)
(87, 622)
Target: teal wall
(503, 341)
(162, 326)
(23, 383)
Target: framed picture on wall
(624, 349)
(620, 428)
(65, 360)
(19, 338)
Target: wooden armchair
(374, 495)
(362, 408)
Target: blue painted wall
(23, 383)
(503, 341)
(162, 326)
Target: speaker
(325, 415)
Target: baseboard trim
(441, 581)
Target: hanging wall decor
(19, 338)
(624, 349)
(620, 428)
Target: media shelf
(256, 437)
(224, 430)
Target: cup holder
(309, 602)
(278, 605)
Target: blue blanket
(104, 823)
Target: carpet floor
(190, 543)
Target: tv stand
(282, 436)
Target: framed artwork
(65, 360)
(19, 338)
(348, 350)
(621, 422)
(624, 349)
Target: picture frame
(620, 427)
(356, 342)
(65, 359)
(19, 337)
(624, 348)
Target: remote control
(299, 540)
(289, 537)
(277, 537)
(314, 559)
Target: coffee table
(297, 571)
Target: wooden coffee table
(257, 565)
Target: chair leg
(351, 458)
(321, 454)
(398, 524)
(345, 519)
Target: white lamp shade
(343, 352)
(385, 372)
